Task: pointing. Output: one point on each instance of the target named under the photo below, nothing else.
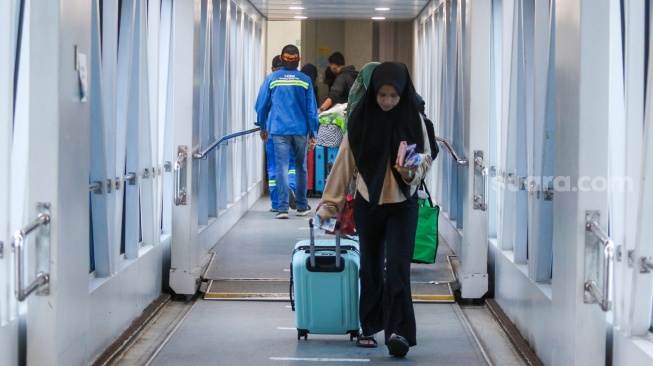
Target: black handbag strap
(422, 185)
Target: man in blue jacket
(287, 112)
(271, 165)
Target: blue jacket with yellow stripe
(286, 104)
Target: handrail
(131, 178)
(460, 161)
(96, 187)
(601, 297)
(180, 191)
(19, 238)
(481, 202)
(202, 155)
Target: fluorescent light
(296, 8)
(378, 18)
(300, 17)
(382, 9)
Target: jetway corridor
(131, 177)
(243, 315)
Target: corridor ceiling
(339, 9)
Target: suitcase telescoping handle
(312, 246)
(337, 244)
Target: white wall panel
(581, 68)
(116, 302)
(526, 303)
(632, 351)
(519, 93)
(84, 314)
(9, 332)
(219, 44)
(59, 131)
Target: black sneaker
(304, 212)
(291, 199)
(282, 215)
(274, 210)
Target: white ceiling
(339, 9)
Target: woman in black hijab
(385, 207)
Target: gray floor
(254, 332)
(264, 333)
(260, 246)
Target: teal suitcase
(324, 286)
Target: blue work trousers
(284, 147)
(272, 173)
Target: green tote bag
(426, 238)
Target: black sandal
(397, 346)
(362, 337)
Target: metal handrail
(602, 297)
(96, 187)
(180, 194)
(17, 244)
(131, 178)
(460, 161)
(482, 201)
(202, 155)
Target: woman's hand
(324, 215)
(407, 173)
(321, 220)
(264, 135)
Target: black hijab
(374, 135)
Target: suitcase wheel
(353, 334)
(302, 333)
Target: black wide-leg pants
(387, 239)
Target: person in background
(311, 71)
(271, 166)
(329, 78)
(276, 63)
(286, 110)
(385, 205)
(345, 76)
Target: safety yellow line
(213, 295)
(216, 295)
(433, 297)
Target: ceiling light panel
(338, 9)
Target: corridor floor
(259, 332)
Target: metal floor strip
(278, 290)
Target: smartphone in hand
(401, 154)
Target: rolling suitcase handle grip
(312, 246)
